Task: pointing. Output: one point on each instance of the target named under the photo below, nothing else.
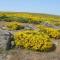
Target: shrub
(9, 19)
(33, 40)
(53, 33)
(14, 26)
(22, 19)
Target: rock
(4, 39)
(48, 25)
(5, 42)
(30, 27)
(3, 28)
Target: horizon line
(30, 12)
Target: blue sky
(38, 6)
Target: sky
(35, 6)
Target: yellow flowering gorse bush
(33, 40)
(13, 26)
(53, 33)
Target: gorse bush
(33, 40)
(53, 33)
(7, 18)
(14, 26)
(23, 20)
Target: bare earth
(23, 54)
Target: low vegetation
(51, 32)
(33, 40)
(35, 18)
(14, 26)
(39, 39)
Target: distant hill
(35, 16)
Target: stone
(4, 39)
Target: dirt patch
(23, 54)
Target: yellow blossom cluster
(33, 40)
